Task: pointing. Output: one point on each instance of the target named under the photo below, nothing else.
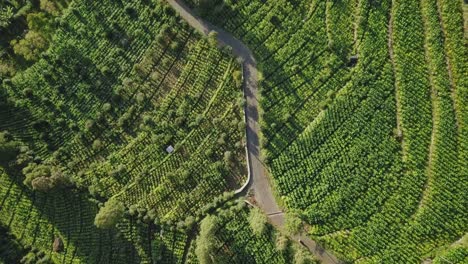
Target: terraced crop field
(364, 118)
(118, 85)
(137, 131)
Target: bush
(97, 144)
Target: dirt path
(258, 179)
(435, 116)
(449, 66)
(397, 99)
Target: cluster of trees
(232, 227)
(206, 240)
(63, 122)
(45, 177)
(11, 250)
(38, 175)
(37, 18)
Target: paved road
(259, 180)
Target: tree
(31, 46)
(206, 242)
(257, 221)
(8, 149)
(44, 177)
(213, 38)
(293, 223)
(107, 107)
(34, 171)
(42, 184)
(49, 7)
(110, 214)
(97, 144)
(140, 97)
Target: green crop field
(374, 155)
(127, 135)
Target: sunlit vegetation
(116, 121)
(122, 134)
(364, 118)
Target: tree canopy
(110, 214)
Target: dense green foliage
(229, 237)
(27, 28)
(364, 118)
(8, 149)
(206, 241)
(122, 131)
(258, 221)
(90, 109)
(10, 249)
(110, 214)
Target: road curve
(258, 178)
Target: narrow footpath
(258, 179)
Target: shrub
(293, 223)
(237, 76)
(282, 243)
(257, 221)
(97, 144)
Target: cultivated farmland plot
(125, 133)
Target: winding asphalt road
(258, 179)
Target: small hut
(170, 149)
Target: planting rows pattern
(373, 156)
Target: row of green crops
(37, 219)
